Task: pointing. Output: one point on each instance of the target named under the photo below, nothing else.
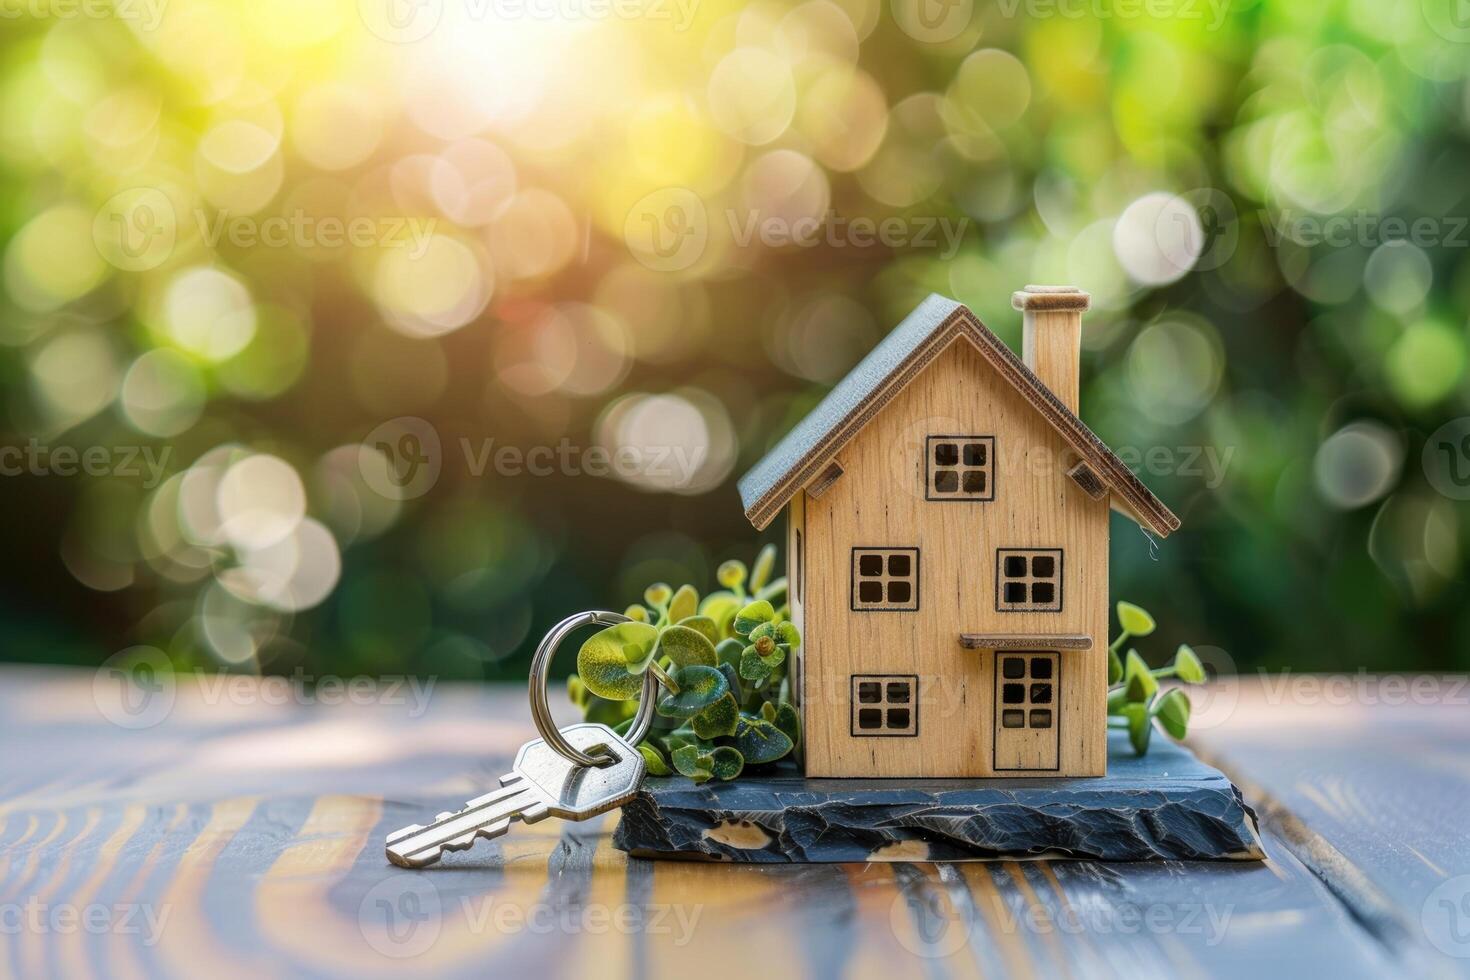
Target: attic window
(960, 468)
(1028, 580)
(885, 579)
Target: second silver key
(541, 784)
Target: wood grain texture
(883, 503)
(243, 838)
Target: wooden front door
(1027, 689)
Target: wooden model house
(947, 552)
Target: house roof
(807, 449)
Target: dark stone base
(1166, 806)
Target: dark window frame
(889, 709)
(960, 468)
(1029, 580)
(884, 578)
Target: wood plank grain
(250, 857)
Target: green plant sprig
(723, 664)
(1135, 698)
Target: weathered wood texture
(244, 838)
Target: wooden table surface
(239, 832)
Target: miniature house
(947, 552)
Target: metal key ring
(541, 713)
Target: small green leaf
(637, 613)
(732, 677)
(719, 719)
(788, 634)
(788, 720)
(576, 690)
(684, 604)
(753, 615)
(1135, 619)
(1138, 680)
(1116, 699)
(765, 563)
(760, 741)
(653, 761)
(731, 574)
(704, 625)
(699, 687)
(692, 762)
(611, 662)
(1172, 711)
(729, 651)
(1140, 726)
(768, 711)
(754, 667)
(610, 713)
(726, 762)
(721, 607)
(1187, 666)
(686, 647)
(1115, 668)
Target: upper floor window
(885, 579)
(1028, 579)
(960, 468)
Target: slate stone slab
(1166, 806)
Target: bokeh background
(281, 278)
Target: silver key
(541, 784)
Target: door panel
(1028, 687)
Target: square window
(1041, 694)
(1012, 718)
(1013, 694)
(1040, 668)
(1041, 718)
(1028, 579)
(1012, 668)
(881, 705)
(961, 468)
(885, 579)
